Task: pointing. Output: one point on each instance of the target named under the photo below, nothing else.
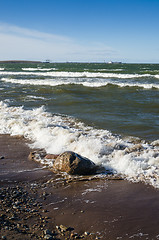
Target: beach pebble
(36, 155)
(63, 228)
(47, 231)
(4, 237)
(74, 235)
(49, 237)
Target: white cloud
(21, 43)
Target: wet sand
(35, 202)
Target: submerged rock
(41, 154)
(72, 163)
(135, 148)
(36, 155)
(51, 156)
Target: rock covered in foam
(69, 162)
(74, 164)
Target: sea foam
(134, 159)
(78, 74)
(38, 69)
(87, 82)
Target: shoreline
(98, 209)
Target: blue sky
(80, 30)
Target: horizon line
(49, 61)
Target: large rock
(72, 163)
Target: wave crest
(87, 82)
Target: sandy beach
(39, 204)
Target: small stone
(74, 235)
(45, 194)
(70, 229)
(4, 237)
(47, 231)
(18, 225)
(36, 155)
(49, 237)
(63, 228)
(44, 211)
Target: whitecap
(38, 69)
(79, 74)
(87, 82)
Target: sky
(80, 30)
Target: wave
(134, 159)
(39, 69)
(106, 69)
(34, 98)
(80, 74)
(87, 82)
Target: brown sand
(105, 209)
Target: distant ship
(114, 62)
(47, 61)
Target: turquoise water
(122, 98)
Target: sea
(108, 113)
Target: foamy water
(134, 159)
(96, 110)
(87, 82)
(78, 74)
(38, 69)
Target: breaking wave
(87, 82)
(134, 159)
(80, 74)
(38, 69)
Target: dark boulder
(74, 164)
